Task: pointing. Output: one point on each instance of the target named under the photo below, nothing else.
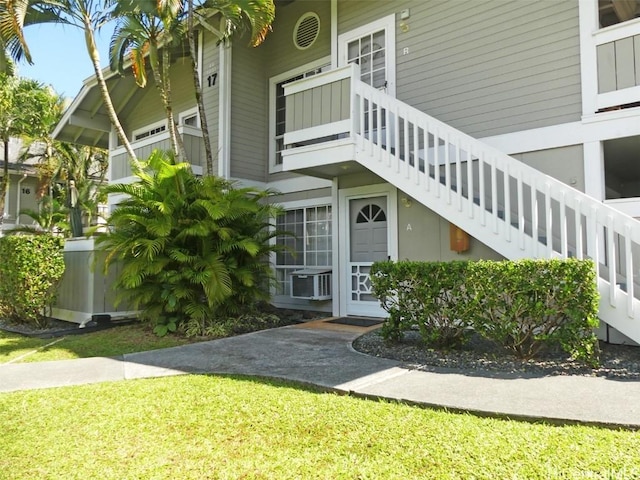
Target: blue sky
(60, 57)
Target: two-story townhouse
(419, 129)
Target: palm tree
(88, 15)
(50, 217)
(25, 109)
(237, 16)
(146, 30)
(147, 25)
(80, 170)
(192, 248)
(255, 16)
(14, 16)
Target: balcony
(120, 167)
(319, 124)
(618, 65)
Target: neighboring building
(535, 103)
(23, 187)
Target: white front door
(368, 243)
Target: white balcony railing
(120, 167)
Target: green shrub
(191, 248)
(523, 306)
(229, 326)
(429, 295)
(528, 304)
(31, 268)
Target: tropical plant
(191, 248)
(88, 15)
(50, 217)
(146, 30)
(71, 173)
(25, 109)
(149, 28)
(14, 16)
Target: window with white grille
(309, 246)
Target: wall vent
(306, 31)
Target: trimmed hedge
(31, 268)
(439, 307)
(523, 306)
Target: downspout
(224, 111)
(24, 177)
(334, 34)
(5, 214)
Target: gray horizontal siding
(280, 53)
(249, 115)
(303, 195)
(148, 108)
(485, 67)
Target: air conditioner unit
(311, 284)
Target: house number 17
(211, 79)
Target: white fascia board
(289, 185)
(598, 127)
(537, 139)
(66, 116)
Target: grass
(200, 426)
(105, 343)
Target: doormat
(356, 321)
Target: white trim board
(599, 127)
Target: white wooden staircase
(516, 210)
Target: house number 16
(211, 79)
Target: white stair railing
(514, 209)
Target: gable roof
(86, 120)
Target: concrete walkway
(324, 357)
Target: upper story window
(190, 118)
(612, 12)
(149, 131)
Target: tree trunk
(198, 90)
(163, 84)
(106, 98)
(4, 183)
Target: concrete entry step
(344, 324)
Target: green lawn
(105, 343)
(201, 426)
